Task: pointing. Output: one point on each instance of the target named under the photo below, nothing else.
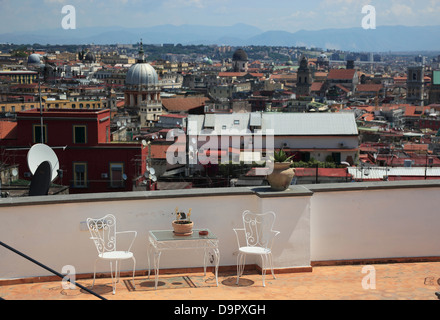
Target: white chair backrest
(258, 229)
(103, 233)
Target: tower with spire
(141, 58)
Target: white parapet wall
(317, 223)
(380, 221)
(52, 231)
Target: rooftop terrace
(333, 238)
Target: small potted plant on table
(183, 226)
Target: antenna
(150, 174)
(40, 153)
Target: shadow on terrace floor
(402, 281)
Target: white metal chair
(104, 235)
(259, 235)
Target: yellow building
(117, 59)
(21, 76)
(12, 107)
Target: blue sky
(288, 15)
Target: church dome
(207, 61)
(141, 74)
(323, 57)
(240, 55)
(90, 57)
(34, 59)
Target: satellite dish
(40, 183)
(124, 176)
(14, 172)
(144, 143)
(152, 171)
(40, 153)
(154, 179)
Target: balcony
(329, 233)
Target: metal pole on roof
(41, 110)
(317, 173)
(426, 164)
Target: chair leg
(241, 259)
(118, 271)
(94, 273)
(263, 271)
(271, 265)
(134, 269)
(113, 277)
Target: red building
(89, 162)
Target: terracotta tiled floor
(406, 281)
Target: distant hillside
(383, 39)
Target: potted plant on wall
(183, 225)
(282, 175)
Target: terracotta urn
(281, 177)
(183, 227)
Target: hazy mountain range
(382, 39)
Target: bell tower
(415, 85)
(304, 78)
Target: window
(336, 157)
(117, 175)
(37, 133)
(305, 156)
(236, 122)
(79, 175)
(79, 134)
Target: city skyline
(283, 15)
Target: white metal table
(163, 240)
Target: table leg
(156, 267)
(205, 260)
(149, 263)
(217, 262)
(216, 256)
